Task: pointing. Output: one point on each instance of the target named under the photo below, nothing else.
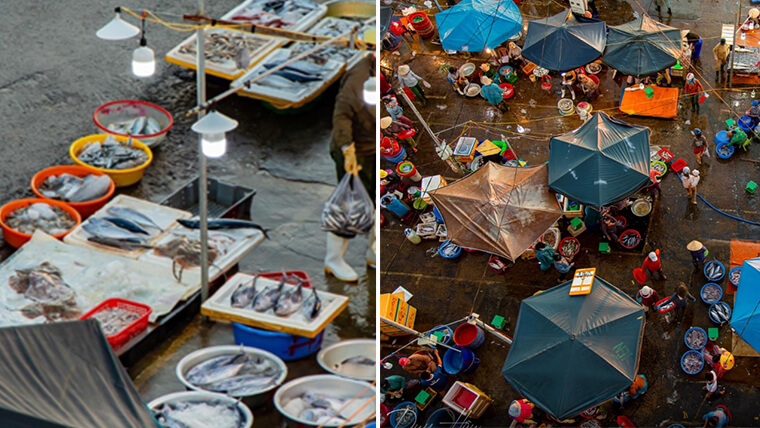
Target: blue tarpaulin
(564, 41)
(474, 25)
(745, 318)
(571, 353)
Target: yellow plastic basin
(121, 177)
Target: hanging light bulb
(370, 91)
(212, 128)
(143, 60)
(117, 29)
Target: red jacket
(693, 89)
(653, 266)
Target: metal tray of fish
(219, 307)
(331, 27)
(224, 52)
(164, 217)
(293, 15)
(296, 84)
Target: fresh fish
(290, 301)
(268, 298)
(110, 154)
(103, 229)
(297, 77)
(126, 224)
(138, 125)
(302, 67)
(243, 296)
(322, 401)
(42, 216)
(48, 294)
(141, 125)
(69, 188)
(128, 244)
(312, 306)
(195, 414)
(277, 82)
(217, 369)
(242, 385)
(321, 416)
(115, 319)
(134, 216)
(220, 224)
(358, 366)
(692, 363)
(184, 252)
(222, 46)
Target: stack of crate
(394, 308)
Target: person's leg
(694, 195)
(417, 91)
(335, 263)
(421, 91)
(667, 3)
(662, 275)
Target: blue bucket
(736, 269)
(445, 244)
(701, 358)
(396, 412)
(721, 137)
(286, 346)
(398, 158)
(440, 380)
(448, 333)
(745, 123)
(703, 289)
(731, 150)
(687, 334)
(438, 216)
(371, 425)
(715, 320)
(714, 263)
(442, 418)
(461, 362)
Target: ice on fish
(199, 414)
(48, 218)
(315, 407)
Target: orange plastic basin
(15, 238)
(85, 209)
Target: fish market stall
(228, 52)
(293, 15)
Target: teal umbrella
(474, 25)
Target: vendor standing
(352, 147)
(699, 143)
(754, 113)
(408, 79)
(720, 52)
(692, 88)
(568, 80)
(494, 94)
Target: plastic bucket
(395, 414)
(721, 137)
(728, 154)
(15, 238)
(447, 243)
(745, 123)
(442, 418)
(736, 269)
(661, 165)
(702, 331)
(569, 238)
(422, 25)
(440, 380)
(125, 110)
(121, 177)
(400, 156)
(717, 321)
(701, 358)
(448, 333)
(408, 170)
(714, 263)
(640, 276)
(461, 362)
(629, 232)
(703, 289)
(438, 216)
(286, 346)
(86, 208)
(195, 396)
(469, 335)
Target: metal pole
(202, 184)
(499, 335)
(413, 331)
(733, 47)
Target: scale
(582, 282)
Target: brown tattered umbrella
(498, 209)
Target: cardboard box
(429, 184)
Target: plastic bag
(426, 84)
(349, 210)
(707, 152)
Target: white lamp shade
(117, 29)
(213, 145)
(214, 123)
(370, 91)
(143, 62)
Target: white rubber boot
(335, 264)
(371, 257)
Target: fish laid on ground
(243, 296)
(100, 228)
(267, 299)
(48, 218)
(222, 224)
(141, 125)
(67, 187)
(312, 306)
(111, 154)
(199, 414)
(50, 296)
(134, 216)
(238, 375)
(289, 301)
(126, 224)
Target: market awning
(498, 209)
(564, 41)
(642, 47)
(571, 353)
(600, 163)
(745, 318)
(65, 375)
(474, 25)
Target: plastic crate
(136, 327)
(224, 200)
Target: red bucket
(629, 232)
(569, 238)
(469, 335)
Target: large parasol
(642, 47)
(474, 25)
(564, 41)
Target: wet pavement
(447, 290)
(56, 73)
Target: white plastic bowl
(331, 356)
(177, 397)
(193, 359)
(467, 69)
(331, 385)
(472, 90)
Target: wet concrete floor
(56, 73)
(447, 290)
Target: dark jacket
(353, 121)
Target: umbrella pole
(733, 47)
(499, 335)
(414, 332)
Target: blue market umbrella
(642, 47)
(745, 318)
(600, 163)
(571, 353)
(474, 25)
(564, 41)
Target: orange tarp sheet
(664, 102)
(741, 250)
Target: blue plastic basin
(286, 346)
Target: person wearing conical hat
(392, 128)
(698, 252)
(408, 79)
